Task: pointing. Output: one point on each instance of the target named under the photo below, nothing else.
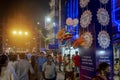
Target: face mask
(50, 60)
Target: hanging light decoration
(69, 21)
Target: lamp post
(19, 33)
(47, 20)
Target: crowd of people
(45, 66)
(38, 66)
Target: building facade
(57, 15)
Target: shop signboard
(53, 46)
(101, 48)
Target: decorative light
(54, 24)
(26, 33)
(20, 32)
(101, 52)
(69, 21)
(38, 23)
(14, 32)
(48, 19)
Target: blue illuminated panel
(118, 27)
(72, 12)
(116, 13)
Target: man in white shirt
(23, 67)
(49, 70)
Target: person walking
(60, 60)
(77, 62)
(5, 72)
(40, 61)
(23, 67)
(35, 67)
(11, 65)
(49, 69)
(69, 73)
(64, 62)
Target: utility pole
(59, 14)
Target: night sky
(23, 11)
(22, 15)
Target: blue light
(119, 27)
(77, 36)
(77, 2)
(73, 8)
(101, 52)
(114, 18)
(68, 10)
(72, 12)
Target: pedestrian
(49, 69)
(103, 72)
(69, 73)
(73, 63)
(55, 59)
(60, 60)
(5, 72)
(40, 61)
(35, 67)
(23, 68)
(64, 61)
(28, 56)
(11, 65)
(77, 62)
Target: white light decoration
(69, 21)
